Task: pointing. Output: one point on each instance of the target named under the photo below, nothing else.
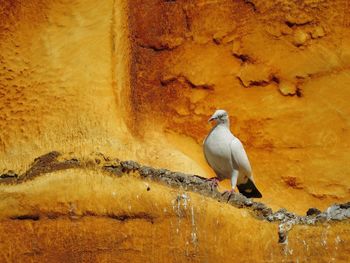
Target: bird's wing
(240, 158)
(208, 156)
(205, 154)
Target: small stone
(310, 221)
(255, 75)
(248, 202)
(279, 216)
(317, 32)
(300, 37)
(313, 212)
(287, 88)
(298, 19)
(270, 218)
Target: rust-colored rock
(292, 119)
(138, 80)
(102, 211)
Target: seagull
(225, 154)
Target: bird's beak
(211, 118)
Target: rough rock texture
(138, 80)
(66, 209)
(281, 69)
(65, 84)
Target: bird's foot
(213, 182)
(229, 192)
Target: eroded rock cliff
(138, 80)
(101, 209)
(279, 67)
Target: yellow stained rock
(300, 37)
(86, 215)
(318, 32)
(81, 77)
(287, 87)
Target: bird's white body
(226, 155)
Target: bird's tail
(249, 189)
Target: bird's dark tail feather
(249, 190)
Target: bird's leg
(214, 182)
(234, 178)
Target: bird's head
(219, 116)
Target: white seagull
(226, 156)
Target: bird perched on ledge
(226, 156)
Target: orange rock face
(139, 79)
(86, 215)
(279, 68)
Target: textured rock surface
(65, 84)
(281, 70)
(66, 209)
(138, 80)
(79, 77)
